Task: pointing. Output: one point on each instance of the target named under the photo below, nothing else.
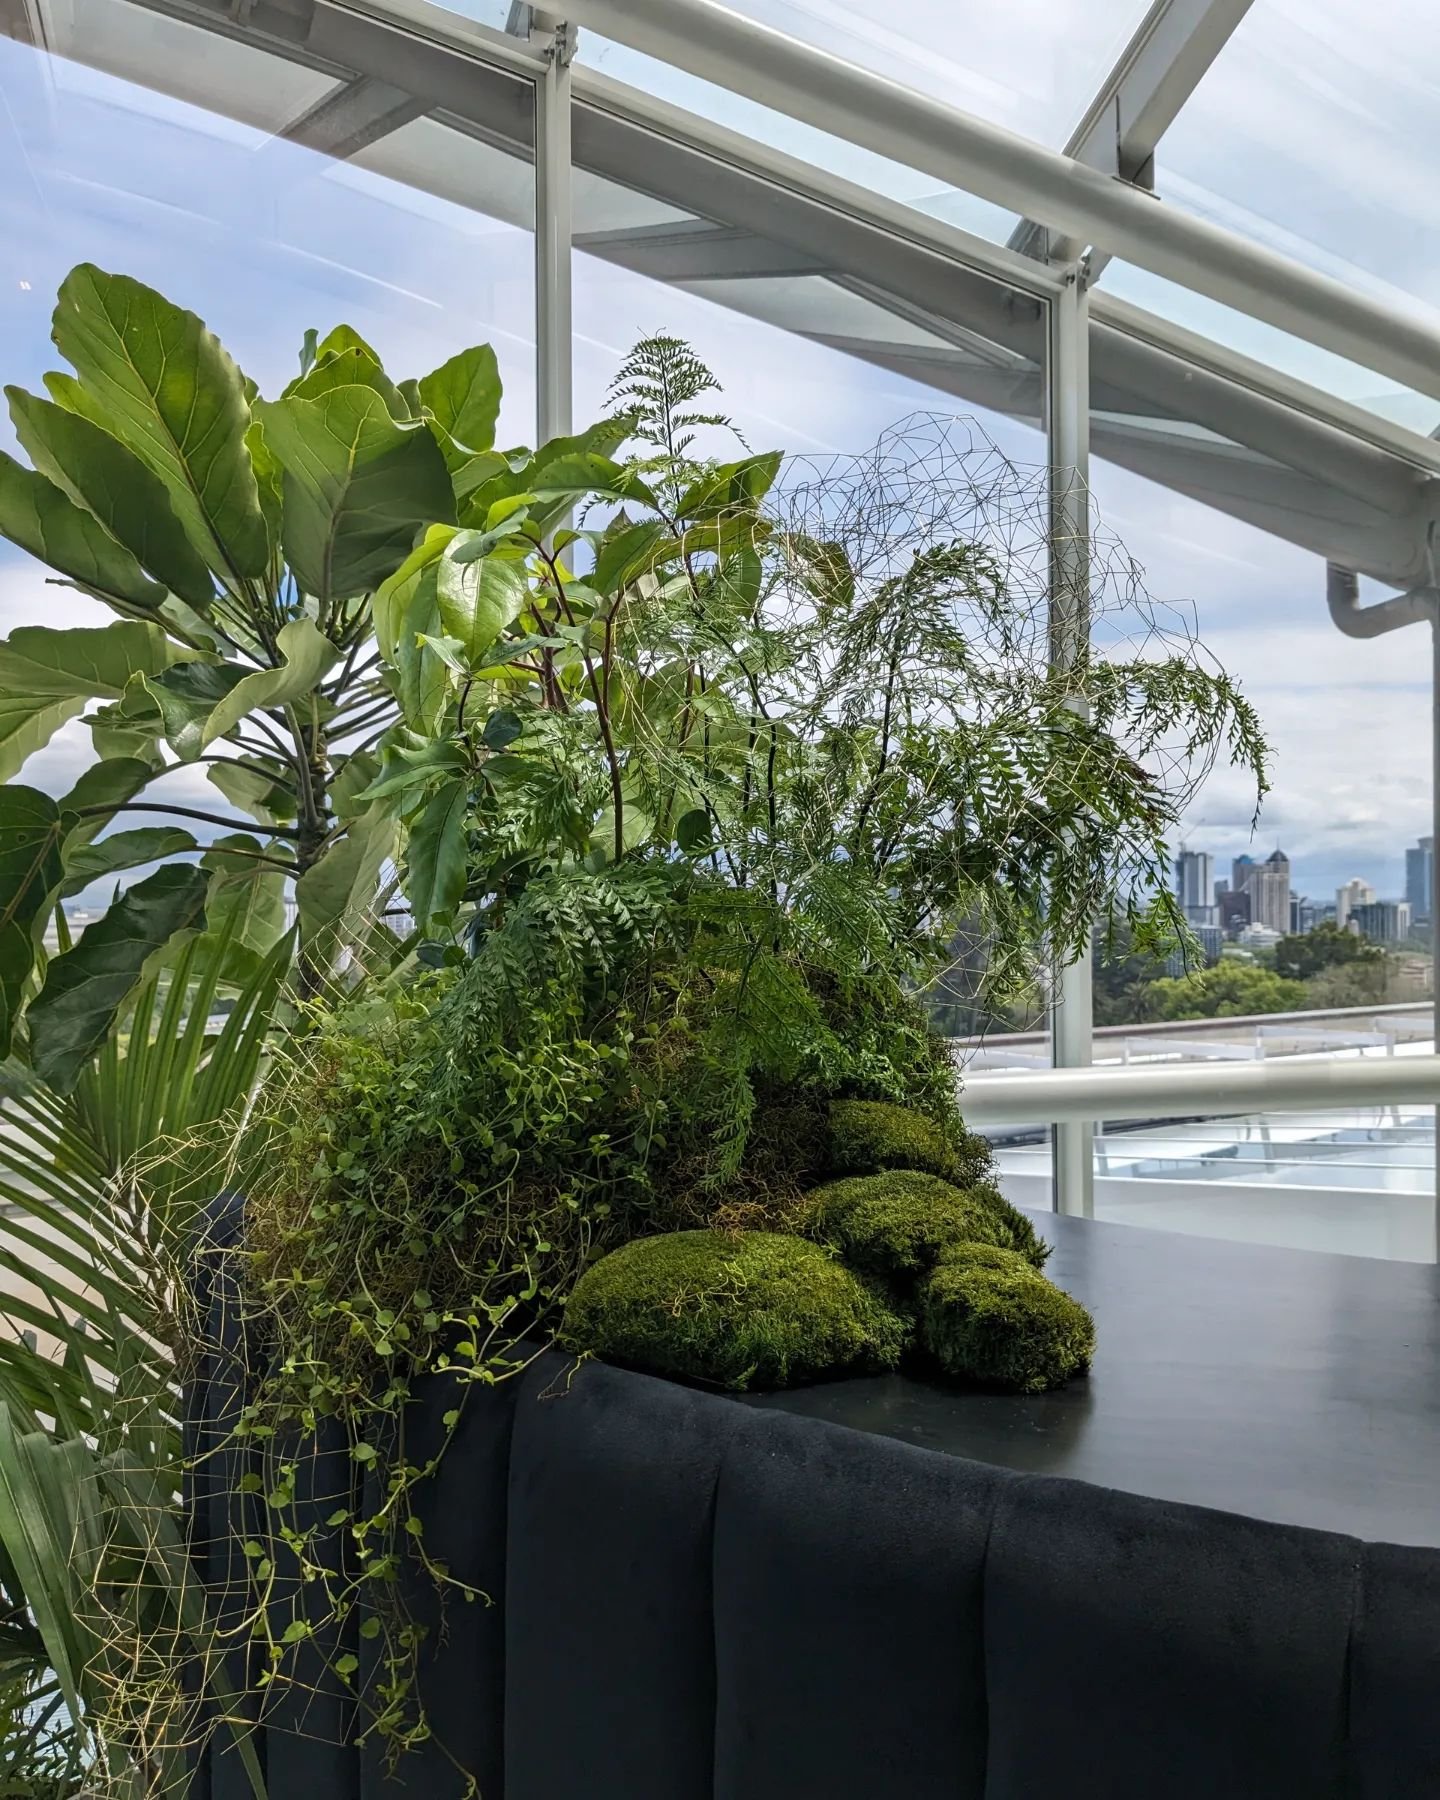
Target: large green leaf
(187, 696)
(335, 894)
(435, 878)
(49, 525)
(393, 597)
(464, 397)
(245, 907)
(31, 832)
(84, 662)
(478, 600)
(28, 725)
(85, 863)
(307, 656)
(358, 486)
(99, 473)
(85, 987)
(255, 788)
(167, 387)
(344, 359)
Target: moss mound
(986, 1315)
(757, 1309)
(897, 1225)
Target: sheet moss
(895, 1226)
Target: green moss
(867, 1136)
(897, 1225)
(755, 1310)
(987, 1316)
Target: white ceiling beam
(1139, 101)
(804, 83)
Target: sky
(265, 239)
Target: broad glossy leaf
(31, 833)
(49, 525)
(394, 596)
(245, 907)
(121, 850)
(187, 696)
(27, 725)
(253, 790)
(99, 473)
(131, 728)
(346, 360)
(84, 662)
(307, 656)
(335, 894)
(85, 987)
(169, 389)
(464, 396)
(107, 784)
(435, 876)
(478, 600)
(731, 487)
(628, 554)
(359, 485)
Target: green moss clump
(987, 1316)
(897, 1225)
(759, 1309)
(867, 1136)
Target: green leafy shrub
(759, 1309)
(867, 1136)
(898, 1224)
(988, 1316)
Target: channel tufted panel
(1134, 1648)
(610, 1654)
(848, 1617)
(1395, 1676)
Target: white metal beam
(553, 331)
(1118, 218)
(1160, 68)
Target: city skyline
(1267, 891)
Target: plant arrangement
(681, 774)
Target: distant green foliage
(1306, 954)
(988, 1316)
(1230, 989)
(899, 1223)
(758, 1310)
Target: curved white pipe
(1342, 595)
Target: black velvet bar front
(693, 1599)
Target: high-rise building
(1194, 886)
(1222, 887)
(1304, 915)
(1354, 893)
(1268, 885)
(1382, 921)
(1235, 909)
(1240, 872)
(1420, 880)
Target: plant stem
(183, 812)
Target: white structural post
(1435, 885)
(553, 347)
(1071, 1012)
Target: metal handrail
(1295, 1085)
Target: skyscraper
(1268, 885)
(1420, 879)
(1240, 873)
(1354, 893)
(1194, 886)
(1382, 921)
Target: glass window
(361, 175)
(1229, 535)
(1311, 132)
(1032, 65)
(792, 136)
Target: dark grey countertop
(1283, 1384)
